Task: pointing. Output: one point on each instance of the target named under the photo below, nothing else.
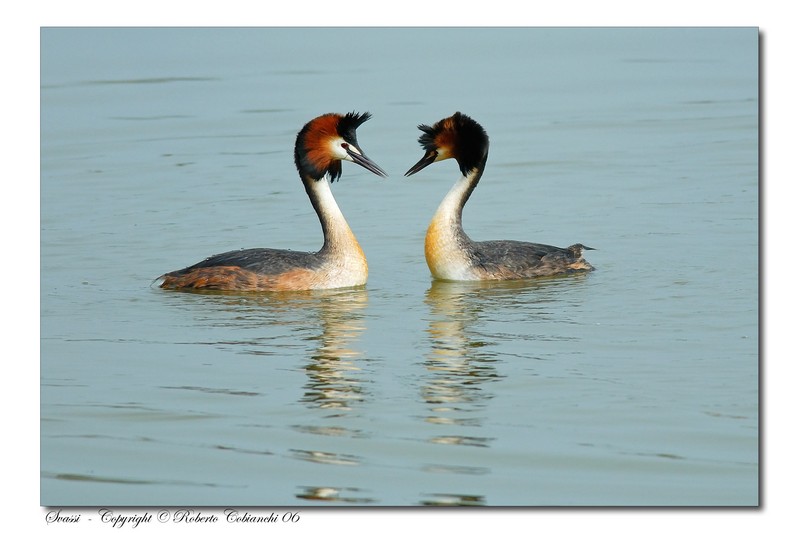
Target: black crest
(428, 137)
(349, 123)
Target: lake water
(634, 385)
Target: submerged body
(450, 253)
(268, 269)
(301, 272)
(321, 146)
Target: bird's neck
(450, 211)
(446, 244)
(339, 239)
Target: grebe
(450, 253)
(322, 144)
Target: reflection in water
(326, 457)
(326, 323)
(332, 431)
(333, 369)
(448, 500)
(456, 469)
(459, 440)
(457, 365)
(333, 385)
(453, 389)
(463, 358)
(333, 495)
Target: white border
(19, 42)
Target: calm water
(634, 385)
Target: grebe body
(449, 252)
(322, 144)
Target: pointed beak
(428, 159)
(366, 163)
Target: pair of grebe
(322, 144)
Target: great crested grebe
(450, 253)
(322, 144)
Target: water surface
(636, 384)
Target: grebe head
(323, 143)
(459, 137)
(577, 249)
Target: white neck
(450, 209)
(338, 235)
(446, 244)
